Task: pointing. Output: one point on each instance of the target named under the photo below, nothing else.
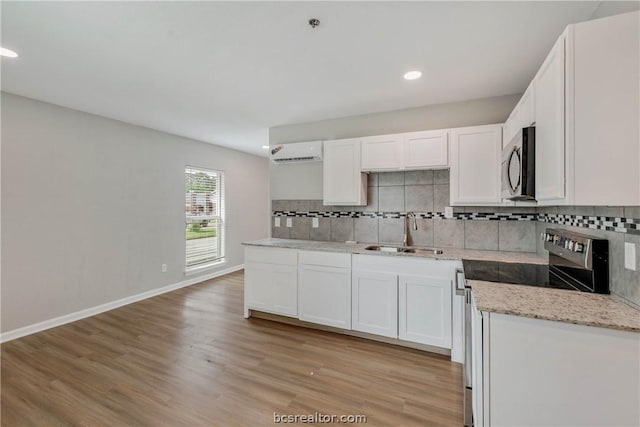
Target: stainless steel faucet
(410, 216)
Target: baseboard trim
(393, 341)
(92, 311)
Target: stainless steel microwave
(519, 166)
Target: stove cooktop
(514, 273)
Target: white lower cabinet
(538, 372)
(424, 310)
(409, 299)
(375, 303)
(479, 346)
(324, 289)
(405, 298)
(271, 281)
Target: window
(204, 215)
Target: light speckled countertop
(581, 308)
(359, 248)
(520, 300)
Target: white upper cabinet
(405, 151)
(382, 153)
(604, 107)
(522, 116)
(428, 149)
(475, 165)
(343, 182)
(550, 121)
(587, 104)
(527, 110)
(511, 126)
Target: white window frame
(220, 217)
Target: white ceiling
(226, 72)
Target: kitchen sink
(406, 250)
(385, 248)
(423, 251)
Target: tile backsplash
(392, 194)
(613, 225)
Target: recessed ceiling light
(412, 75)
(7, 52)
(266, 147)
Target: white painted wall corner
(92, 311)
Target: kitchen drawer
(405, 265)
(327, 259)
(276, 256)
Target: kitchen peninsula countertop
(519, 300)
(580, 308)
(359, 248)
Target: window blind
(204, 217)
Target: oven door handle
(460, 285)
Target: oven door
(512, 168)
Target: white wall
(92, 207)
(609, 8)
(304, 181)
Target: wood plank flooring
(189, 358)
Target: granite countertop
(580, 308)
(359, 248)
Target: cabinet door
(527, 108)
(382, 153)
(374, 303)
(427, 149)
(271, 288)
(550, 118)
(344, 183)
(475, 165)
(511, 126)
(522, 116)
(424, 310)
(545, 373)
(606, 110)
(477, 367)
(324, 295)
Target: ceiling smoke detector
(314, 22)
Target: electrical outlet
(315, 223)
(164, 268)
(448, 212)
(289, 222)
(630, 256)
(276, 221)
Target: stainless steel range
(577, 262)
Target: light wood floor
(189, 358)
